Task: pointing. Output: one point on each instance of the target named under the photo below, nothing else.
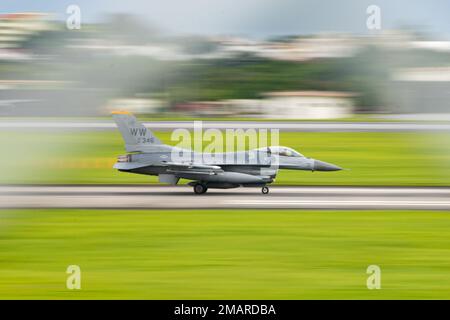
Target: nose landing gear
(265, 190)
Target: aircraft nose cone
(324, 166)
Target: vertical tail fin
(134, 133)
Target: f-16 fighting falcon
(253, 168)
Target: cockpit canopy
(282, 151)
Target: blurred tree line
(246, 77)
(243, 76)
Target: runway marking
(299, 190)
(181, 197)
(343, 202)
(282, 125)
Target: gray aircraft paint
(147, 155)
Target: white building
(421, 90)
(308, 105)
(302, 49)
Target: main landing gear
(200, 188)
(265, 190)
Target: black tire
(200, 188)
(265, 190)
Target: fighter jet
(146, 154)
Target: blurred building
(204, 109)
(15, 28)
(421, 90)
(134, 105)
(296, 48)
(308, 105)
(438, 46)
(221, 108)
(277, 105)
(302, 48)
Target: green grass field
(373, 158)
(239, 254)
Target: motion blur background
(255, 60)
(373, 100)
(227, 60)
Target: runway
(305, 126)
(182, 197)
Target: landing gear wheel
(265, 190)
(200, 188)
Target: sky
(257, 18)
